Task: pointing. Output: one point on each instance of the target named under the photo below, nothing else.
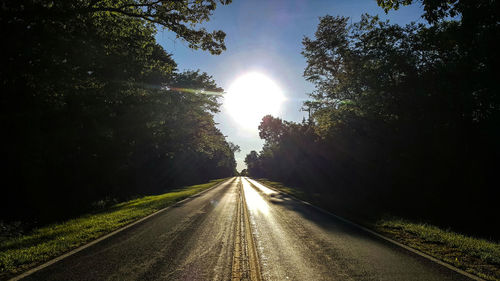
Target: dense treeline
(92, 108)
(404, 119)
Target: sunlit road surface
(297, 242)
(244, 231)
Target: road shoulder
(153, 205)
(294, 194)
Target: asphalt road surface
(241, 230)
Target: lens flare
(251, 97)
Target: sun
(252, 96)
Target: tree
(94, 107)
(181, 17)
(234, 147)
(271, 129)
(474, 12)
(401, 117)
(252, 162)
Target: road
(241, 230)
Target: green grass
(476, 256)
(20, 253)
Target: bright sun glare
(251, 97)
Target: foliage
(94, 107)
(404, 119)
(21, 252)
(472, 12)
(181, 17)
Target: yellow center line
(245, 257)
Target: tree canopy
(181, 17)
(93, 108)
(401, 117)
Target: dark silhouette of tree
(180, 17)
(253, 165)
(403, 120)
(271, 129)
(95, 109)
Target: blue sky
(265, 36)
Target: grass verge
(476, 256)
(18, 254)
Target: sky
(265, 36)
